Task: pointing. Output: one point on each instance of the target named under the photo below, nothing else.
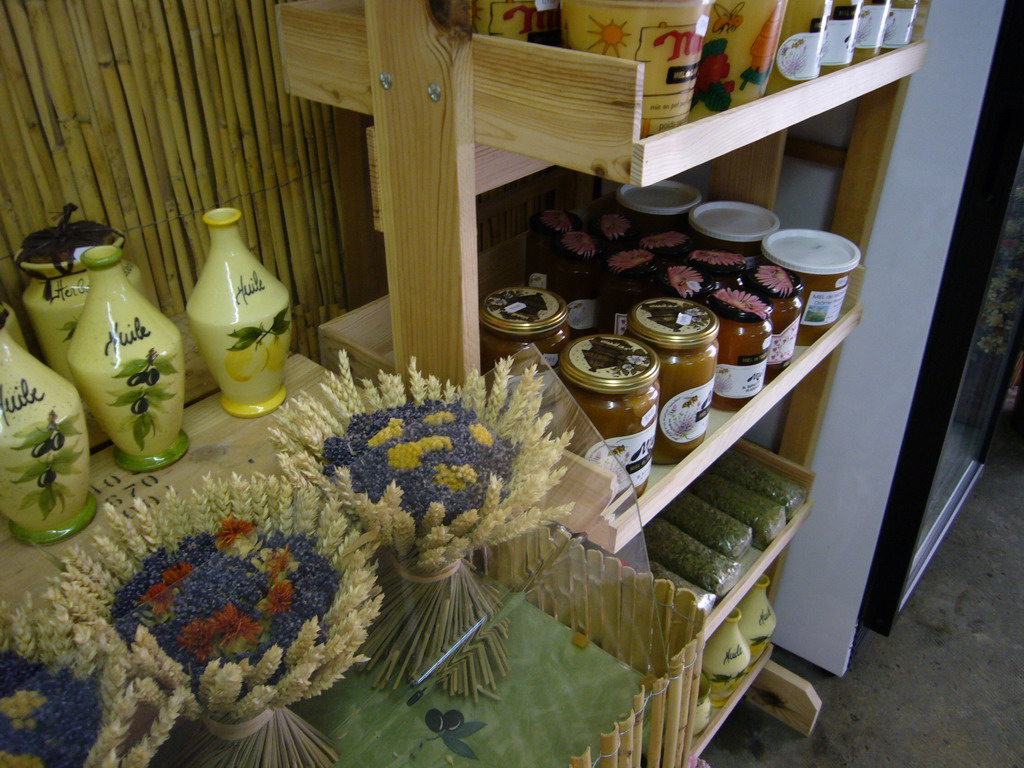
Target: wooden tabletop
(220, 444)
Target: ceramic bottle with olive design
(726, 658)
(240, 316)
(128, 363)
(44, 448)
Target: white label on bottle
(684, 417)
(581, 314)
(744, 380)
(823, 307)
(548, 5)
(648, 417)
(784, 344)
(838, 48)
(538, 280)
(899, 27)
(621, 321)
(629, 457)
(869, 31)
(799, 57)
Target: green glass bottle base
(149, 463)
(73, 526)
(252, 410)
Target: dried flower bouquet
(438, 473)
(68, 703)
(248, 594)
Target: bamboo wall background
(146, 113)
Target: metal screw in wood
(386, 80)
(434, 92)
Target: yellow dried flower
(455, 477)
(407, 455)
(441, 417)
(393, 429)
(481, 434)
(19, 705)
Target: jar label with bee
(743, 380)
(684, 418)
(628, 456)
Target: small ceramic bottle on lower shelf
(44, 448)
(726, 658)
(240, 316)
(128, 363)
(758, 621)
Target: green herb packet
(764, 481)
(708, 525)
(689, 558)
(764, 516)
(705, 599)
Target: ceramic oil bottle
(726, 658)
(240, 316)
(44, 448)
(127, 360)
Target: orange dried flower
(277, 562)
(232, 624)
(159, 599)
(176, 573)
(279, 598)
(196, 637)
(231, 530)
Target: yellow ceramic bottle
(758, 621)
(44, 448)
(128, 364)
(240, 316)
(726, 658)
(13, 326)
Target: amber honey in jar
(671, 247)
(724, 266)
(614, 380)
(544, 226)
(630, 279)
(512, 319)
(783, 288)
(618, 230)
(744, 338)
(576, 275)
(686, 282)
(684, 334)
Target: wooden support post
(751, 173)
(363, 247)
(422, 84)
(786, 696)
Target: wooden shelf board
(726, 605)
(727, 427)
(719, 716)
(220, 444)
(571, 108)
(666, 154)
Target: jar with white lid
(660, 206)
(824, 262)
(728, 225)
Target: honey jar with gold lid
(684, 334)
(614, 380)
(512, 319)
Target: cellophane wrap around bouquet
(247, 594)
(438, 471)
(67, 702)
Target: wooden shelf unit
(499, 101)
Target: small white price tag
(515, 307)
(693, 285)
(548, 5)
(683, 319)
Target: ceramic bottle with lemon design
(240, 316)
(44, 448)
(128, 363)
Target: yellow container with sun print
(240, 315)
(664, 34)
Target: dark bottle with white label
(544, 226)
(576, 275)
(744, 338)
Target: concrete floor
(946, 687)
